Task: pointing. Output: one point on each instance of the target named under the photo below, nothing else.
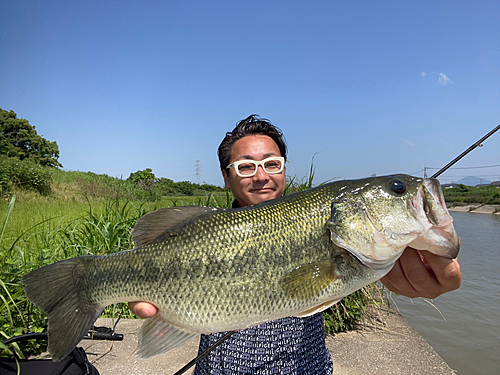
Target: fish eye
(398, 187)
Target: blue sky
(370, 87)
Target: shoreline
(385, 343)
(491, 209)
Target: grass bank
(463, 195)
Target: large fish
(210, 270)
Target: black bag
(76, 363)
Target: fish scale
(211, 270)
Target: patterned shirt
(291, 346)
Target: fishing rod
(205, 353)
(474, 145)
(438, 173)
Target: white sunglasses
(248, 168)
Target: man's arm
(415, 274)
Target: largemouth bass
(211, 270)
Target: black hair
(252, 125)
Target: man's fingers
(421, 277)
(446, 271)
(397, 280)
(422, 274)
(143, 309)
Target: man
(292, 345)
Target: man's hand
(423, 274)
(143, 309)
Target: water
(469, 339)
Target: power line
(483, 166)
(495, 176)
(414, 173)
(477, 144)
(480, 175)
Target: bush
(25, 174)
(345, 315)
(4, 183)
(470, 195)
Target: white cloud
(443, 80)
(409, 143)
(423, 74)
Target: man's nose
(261, 174)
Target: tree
(185, 187)
(19, 139)
(165, 186)
(146, 180)
(146, 176)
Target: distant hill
(473, 181)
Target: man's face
(260, 187)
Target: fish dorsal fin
(308, 280)
(151, 225)
(157, 336)
(317, 309)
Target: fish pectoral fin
(153, 224)
(157, 336)
(317, 309)
(308, 280)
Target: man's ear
(226, 179)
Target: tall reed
(51, 240)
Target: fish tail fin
(56, 290)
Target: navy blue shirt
(294, 346)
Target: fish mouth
(439, 236)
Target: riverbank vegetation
(472, 195)
(30, 181)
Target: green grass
(468, 194)
(33, 237)
(216, 199)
